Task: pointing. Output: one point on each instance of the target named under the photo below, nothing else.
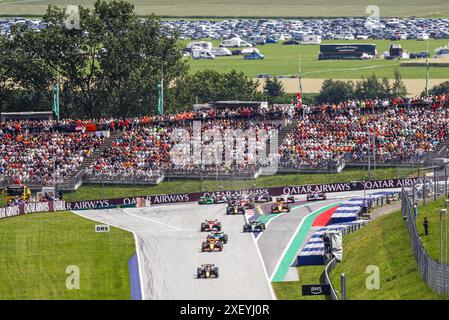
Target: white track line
(139, 260)
(292, 238)
(151, 220)
(273, 295)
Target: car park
(259, 31)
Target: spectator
(426, 226)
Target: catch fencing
(434, 273)
(353, 227)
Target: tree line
(108, 67)
(111, 65)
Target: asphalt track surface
(169, 251)
(168, 241)
(275, 239)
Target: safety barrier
(32, 207)
(433, 272)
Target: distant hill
(250, 8)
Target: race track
(169, 249)
(280, 230)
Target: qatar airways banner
(274, 191)
(32, 207)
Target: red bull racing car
(235, 208)
(207, 271)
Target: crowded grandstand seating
(395, 134)
(143, 152)
(320, 136)
(42, 154)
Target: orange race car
(280, 206)
(211, 245)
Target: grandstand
(321, 138)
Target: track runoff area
(169, 239)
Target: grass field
(37, 248)
(283, 60)
(252, 8)
(431, 210)
(291, 290)
(87, 192)
(399, 276)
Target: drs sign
(102, 228)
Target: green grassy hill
(36, 249)
(384, 243)
(431, 210)
(252, 8)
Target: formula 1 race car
(233, 199)
(280, 206)
(247, 203)
(263, 197)
(220, 198)
(286, 198)
(211, 225)
(316, 196)
(207, 271)
(235, 208)
(219, 235)
(254, 226)
(206, 200)
(211, 245)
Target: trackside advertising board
(293, 190)
(32, 207)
